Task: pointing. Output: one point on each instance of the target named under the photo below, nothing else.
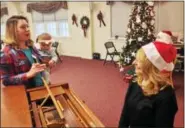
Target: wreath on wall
(85, 22)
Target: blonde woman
(151, 100)
(18, 61)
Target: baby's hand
(51, 63)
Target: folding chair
(111, 51)
(55, 45)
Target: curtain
(46, 7)
(112, 2)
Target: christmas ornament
(74, 20)
(127, 78)
(130, 40)
(152, 22)
(151, 13)
(100, 18)
(144, 25)
(85, 24)
(133, 54)
(128, 30)
(138, 20)
(138, 9)
(128, 59)
(149, 33)
(133, 26)
(139, 38)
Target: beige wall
(169, 15)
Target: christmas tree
(140, 30)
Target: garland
(84, 21)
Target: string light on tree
(152, 22)
(130, 40)
(133, 54)
(140, 38)
(138, 9)
(149, 33)
(128, 30)
(151, 13)
(128, 59)
(144, 25)
(138, 20)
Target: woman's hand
(35, 68)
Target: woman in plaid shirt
(19, 58)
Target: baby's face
(45, 46)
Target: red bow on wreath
(100, 18)
(74, 19)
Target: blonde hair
(11, 37)
(44, 36)
(156, 79)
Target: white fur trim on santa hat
(154, 56)
(164, 37)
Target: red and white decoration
(164, 36)
(161, 54)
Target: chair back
(110, 47)
(55, 45)
(109, 44)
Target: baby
(47, 52)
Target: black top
(148, 111)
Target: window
(120, 12)
(39, 28)
(3, 20)
(63, 27)
(3, 25)
(2, 29)
(54, 23)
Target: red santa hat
(164, 36)
(161, 55)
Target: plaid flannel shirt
(13, 66)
